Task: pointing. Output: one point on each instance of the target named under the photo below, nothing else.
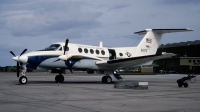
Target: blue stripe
(36, 60)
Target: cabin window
(97, 51)
(80, 50)
(120, 54)
(86, 50)
(91, 51)
(102, 52)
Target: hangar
(187, 58)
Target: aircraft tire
(59, 78)
(106, 79)
(23, 80)
(62, 78)
(103, 79)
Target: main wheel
(106, 79)
(62, 78)
(59, 78)
(103, 79)
(23, 80)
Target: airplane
(65, 55)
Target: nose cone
(23, 59)
(16, 58)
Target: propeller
(18, 63)
(67, 62)
(66, 44)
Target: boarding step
(130, 85)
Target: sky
(35, 24)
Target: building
(187, 58)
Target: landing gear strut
(59, 78)
(23, 79)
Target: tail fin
(149, 44)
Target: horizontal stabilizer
(161, 31)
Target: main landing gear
(106, 79)
(59, 78)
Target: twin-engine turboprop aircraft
(62, 56)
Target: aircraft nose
(23, 59)
(16, 58)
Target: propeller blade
(12, 53)
(23, 52)
(18, 69)
(66, 43)
(56, 60)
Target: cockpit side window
(60, 49)
(53, 47)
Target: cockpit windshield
(53, 47)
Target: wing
(126, 62)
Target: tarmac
(86, 93)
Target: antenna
(101, 44)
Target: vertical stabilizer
(149, 44)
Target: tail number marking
(143, 50)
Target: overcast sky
(35, 24)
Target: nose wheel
(23, 80)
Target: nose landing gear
(23, 79)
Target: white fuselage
(44, 59)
